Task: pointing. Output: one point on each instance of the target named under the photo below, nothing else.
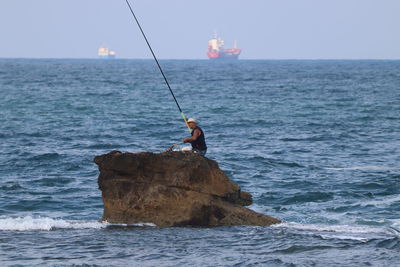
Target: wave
(11, 187)
(382, 202)
(29, 223)
(46, 156)
(364, 168)
(104, 146)
(347, 232)
(307, 197)
(273, 162)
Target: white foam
(330, 228)
(363, 168)
(361, 233)
(344, 237)
(384, 202)
(29, 223)
(396, 224)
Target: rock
(172, 189)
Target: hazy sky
(264, 29)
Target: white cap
(192, 120)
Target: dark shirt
(200, 142)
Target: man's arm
(196, 134)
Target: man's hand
(196, 134)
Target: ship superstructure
(106, 53)
(216, 49)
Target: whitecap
(363, 168)
(352, 232)
(331, 228)
(29, 223)
(396, 225)
(384, 202)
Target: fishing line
(158, 64)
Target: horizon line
(205, 59)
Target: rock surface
(172, 189)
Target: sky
(180, 29)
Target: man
(198, 139)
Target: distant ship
(216, 49)
(106, 53)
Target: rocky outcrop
(172, 189)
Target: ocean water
(317, 144)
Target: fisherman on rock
(198, 139)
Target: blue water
(317, 143)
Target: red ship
(216, 49)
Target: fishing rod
(158, 64)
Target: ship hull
(231, 53)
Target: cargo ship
(216, 49)
(106, 53)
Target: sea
(316, 142)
